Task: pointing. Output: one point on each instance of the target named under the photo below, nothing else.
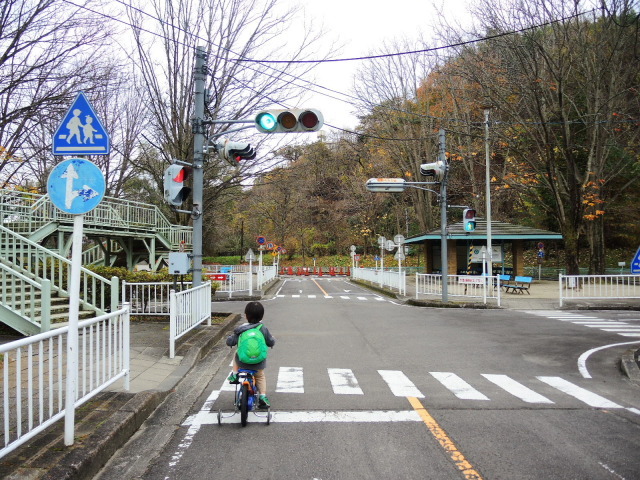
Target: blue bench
(519, 285)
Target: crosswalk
(343, 381)
(623, 329)
(361, 298)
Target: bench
(519, 285)
(504, 279)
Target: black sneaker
(263, 402)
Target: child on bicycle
(254, 311)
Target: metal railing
(149, 298)
(189, 309)
(596, 287)
(233, 282)
(266, 275)
(31, 260)
(470, 286)
(25, 297)
(34, 374)
(25, 213)
(384, 278)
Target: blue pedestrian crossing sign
(76, 186)
(80, 132)
(635, 263)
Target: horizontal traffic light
(235, 151)
(289, 120)
(434, 169)
(175, 190)
(386, 185)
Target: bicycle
(246, 398)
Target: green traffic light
(470, 226)
(267, 122)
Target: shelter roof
(499, 231)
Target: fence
(188, 309)
(383, 278)
(34, 374)
(233, 282)
(148, 298)
(471, 286)
(598, 287)
(266, 275)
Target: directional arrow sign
(76, 186)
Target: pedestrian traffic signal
(469, 219)
(289, 120)
(175, 191)
(235, 151)
(434, 169)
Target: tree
(564, 94)
(236, 35)
(49, 50)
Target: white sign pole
(251, 276)
(72, 338)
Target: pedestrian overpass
(35, 246)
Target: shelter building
(465, 249)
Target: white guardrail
(34, 372)
(384, 278)
(471, 286)
(148, 298)
(189, 308)
(596, 287)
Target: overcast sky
(361, 26)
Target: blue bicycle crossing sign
(81, 132)
(76, 186)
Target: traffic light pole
(444, 257)
(198, 126)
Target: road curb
(629, 365)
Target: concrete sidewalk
(106, 423)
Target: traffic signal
(175, 191)
(434, 169)
(235, 151)
(469, 219)
(289, 120)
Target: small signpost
(75, 186)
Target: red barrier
(332, 271)
(320, 271)
(290, 270)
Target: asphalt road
(362, 388)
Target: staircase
(35, 241)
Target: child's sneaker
(233, 378)
(263, 402)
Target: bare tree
(49, 50)
(237, 34)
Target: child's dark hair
(254, 312)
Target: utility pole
(444, 257)
(488, 192)
(198, 129)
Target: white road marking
(458, 386)
(582, 360)
(344, 382)
(344, 297)
(516, 389)
(372, 416)
(400, 384)
(290, 380)
(590, 398)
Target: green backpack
(252, 347)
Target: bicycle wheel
(244, 404)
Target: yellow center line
(318, 285)
(441, 436)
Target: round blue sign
(76, 186)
